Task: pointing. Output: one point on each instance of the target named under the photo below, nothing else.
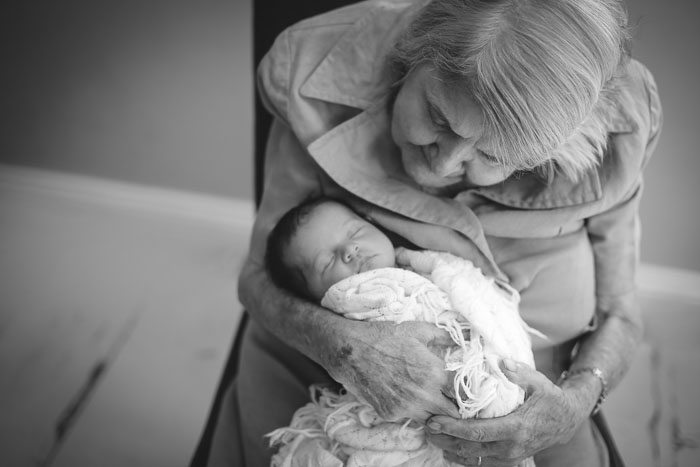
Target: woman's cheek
(408, 127)
(414, 164)
(485, 175)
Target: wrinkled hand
(548, 416)
(398, 369)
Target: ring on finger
(478, 461)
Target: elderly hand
(398, 369)
(549, 415)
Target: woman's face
(438, 130)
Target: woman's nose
(350, 252)
(450, 157)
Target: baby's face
(334, 243)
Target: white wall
(156, 92)
(667, 40)
(160, 92)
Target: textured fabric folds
(481, 316)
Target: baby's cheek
(339, 273)
(388, 259)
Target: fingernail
(434, 426)
(509, 364)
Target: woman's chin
(439, 185)
(435, 185)
(429, 181)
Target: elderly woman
(510, 132)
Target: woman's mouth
(428, 151)
(430, 156)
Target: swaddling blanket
(482, 319)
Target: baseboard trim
(653, 280)
(226, 212)
(668, 282)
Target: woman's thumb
(438, 337)
(423, 331)
(522, 374)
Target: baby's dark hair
(285, 275)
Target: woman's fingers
(477, 430)
(462, 452)
(523, 375)
(447, 407)
(545, 418)
(427, 333)
(459, 460)
(476, 461)
(461, 447)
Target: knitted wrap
(482, 319)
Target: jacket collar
(355, 71)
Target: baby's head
(321, 242)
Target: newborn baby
(325, 252)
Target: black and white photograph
(341, 233)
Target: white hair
(542, 72)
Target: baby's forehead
(334, 208)
(330, 215)
(314, 231)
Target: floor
(115, 320)
(116, 316)
(654, 413)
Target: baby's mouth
(365, 264)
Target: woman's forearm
(310, 329)
(397, 368)
(610, 348)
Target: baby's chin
(380, 260)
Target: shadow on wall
(157, 93)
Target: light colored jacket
(570, 248)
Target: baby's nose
(350, 252)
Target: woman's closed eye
(491, 160)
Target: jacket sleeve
(274, 76)
(615, 233)
(290, 174)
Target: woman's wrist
(314, 331)
(585, 388)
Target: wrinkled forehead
(497, 127)
(458, 105)
(452, 98)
